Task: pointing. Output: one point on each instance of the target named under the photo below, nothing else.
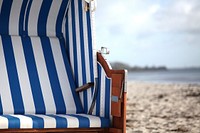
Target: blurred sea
(168, 76)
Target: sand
(163, 108)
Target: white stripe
(62, 76)
(93, 32)
(78, 44)
(24, 26)
(81, 98)
(94, 120)
(3, 123)
(1, 2)
(52, 17)
(102, 100)
(23, 75)
(14, 17)
(64, 30)
(43, 75)
(33, 17)
(94, 110)
(49, 122)
(6, 99)
(25, 122)
(72, 122)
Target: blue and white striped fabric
(39, 70)
(35, 77)
(45, 17)
(103, 101)
(52, 121)
(78, 36)
(12, 16)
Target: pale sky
(150, 32)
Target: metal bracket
(115, 99)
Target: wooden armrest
(118, 98)
(85, 87)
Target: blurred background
(162, 36)
(158, 41)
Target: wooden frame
(118, 108)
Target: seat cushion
(52, 121)
(45, 17)
(12, 16)
(35, 77)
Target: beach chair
(51, 77)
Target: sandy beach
(163, 108)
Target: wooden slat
(67, 130)
(85, 87)
(115, 130)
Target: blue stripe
(60, 121)
(43, 15)
(33, 75)
(90, 46)
(71, 80)
(67, 36)
(21, 17)
(60, 18)
(107, 98)
(99, 91)
(13, 122)
(92, 89)
(84, 122)
(1, 108)
(105, 122)
(27, 16)
(53, 77)
(12, 75)
(37, 121)
(82, 54)
(5, 16)
(74, 44)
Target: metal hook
(105, 50)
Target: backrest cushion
(35, 77)
(45, 17)
(12, 16)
